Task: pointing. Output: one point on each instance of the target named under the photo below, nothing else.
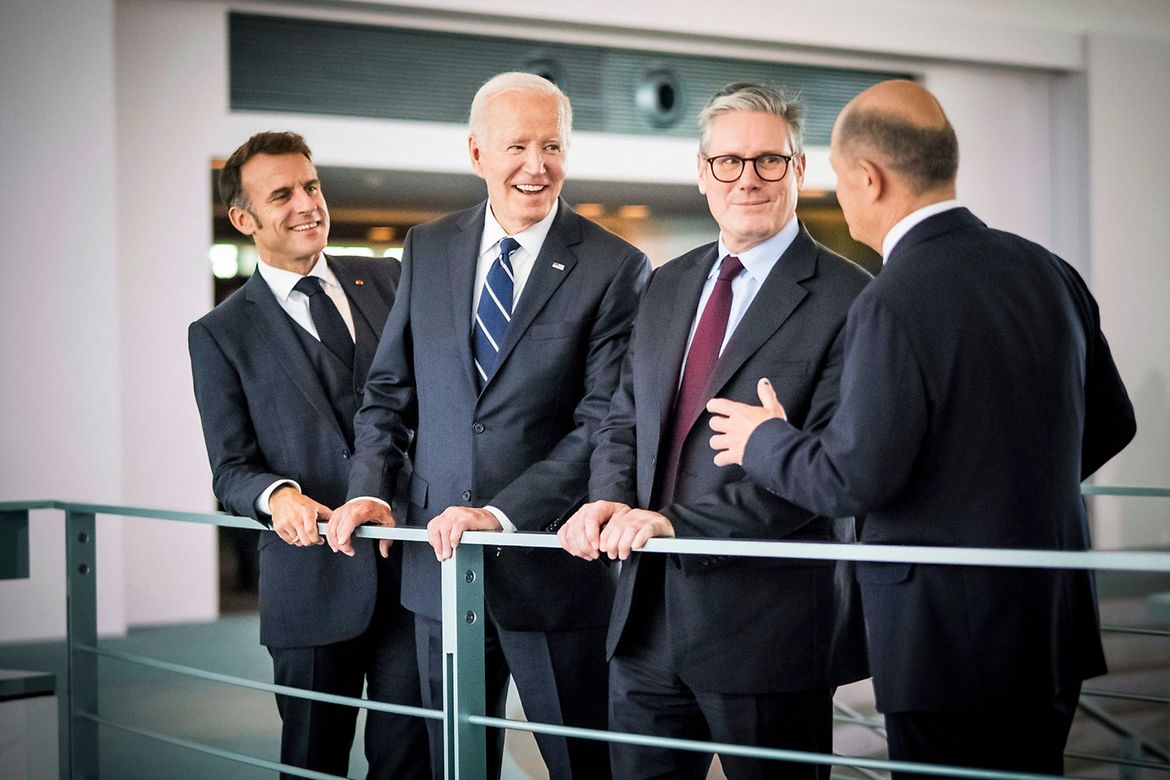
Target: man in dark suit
(279, 368)
(977, 392)
(501, 354)
(706, 647)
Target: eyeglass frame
(787, 158)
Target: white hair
(517, 81)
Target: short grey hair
(517, 81)
(748, 96)
(928, 157)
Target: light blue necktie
(494, 311)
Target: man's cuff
(370, 498)
(505, 523)
(262, 500)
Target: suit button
(345, 454)
(358, 389)
(478, 427)
(466, 495)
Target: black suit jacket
(737, 625)
(266, 416)
(522, 444)
(977, 393)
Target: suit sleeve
(551, 485)
(239, 471)
(383, 426)
(866, 453)
(613, 468)
(1109, 417)
(1109, 422)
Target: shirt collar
(908, 222)
(282, 282)
(759, 260)
(531, 240)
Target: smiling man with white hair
(500, 356)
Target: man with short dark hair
(736, 650)
(278, 369)
(977, 392)
(501, 354)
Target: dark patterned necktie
(700, 362)
(331, 328)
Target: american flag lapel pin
(559, 266)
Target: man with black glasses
(705, 647)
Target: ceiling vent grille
(314, 67)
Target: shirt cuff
(262, 500)
(506, 524)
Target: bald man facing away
(977, 392)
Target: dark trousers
(1030, 737)
(561, 679)
(647, 696)
(316, 735)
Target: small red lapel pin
(359, 281)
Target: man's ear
(473, 152)
(703, 169)
(242, 220)
(873, 179)
(798, 163)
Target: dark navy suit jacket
(977, 392)
(737, 625)
(523, 443)
(266, 416)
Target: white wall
(1129, 197)
(60, 414)
(164, 219)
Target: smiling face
(286, 214)
(520, 154)
(750, 210)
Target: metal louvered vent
(315, 67)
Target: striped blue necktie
(494, 311)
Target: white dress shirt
(908, 223)
(296, 305)
(523, 259)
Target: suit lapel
(276, 328)
(462, 257)
(365, 302)
(674, 330)
(545, 278)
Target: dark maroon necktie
(700, 362)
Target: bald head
(903, 126)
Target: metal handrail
(1127, 560)
(461, 702)
(244, 682)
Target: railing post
(465, 745)
(1130, 748)
(81, 616)
(14, 545)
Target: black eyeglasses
(729, 167)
